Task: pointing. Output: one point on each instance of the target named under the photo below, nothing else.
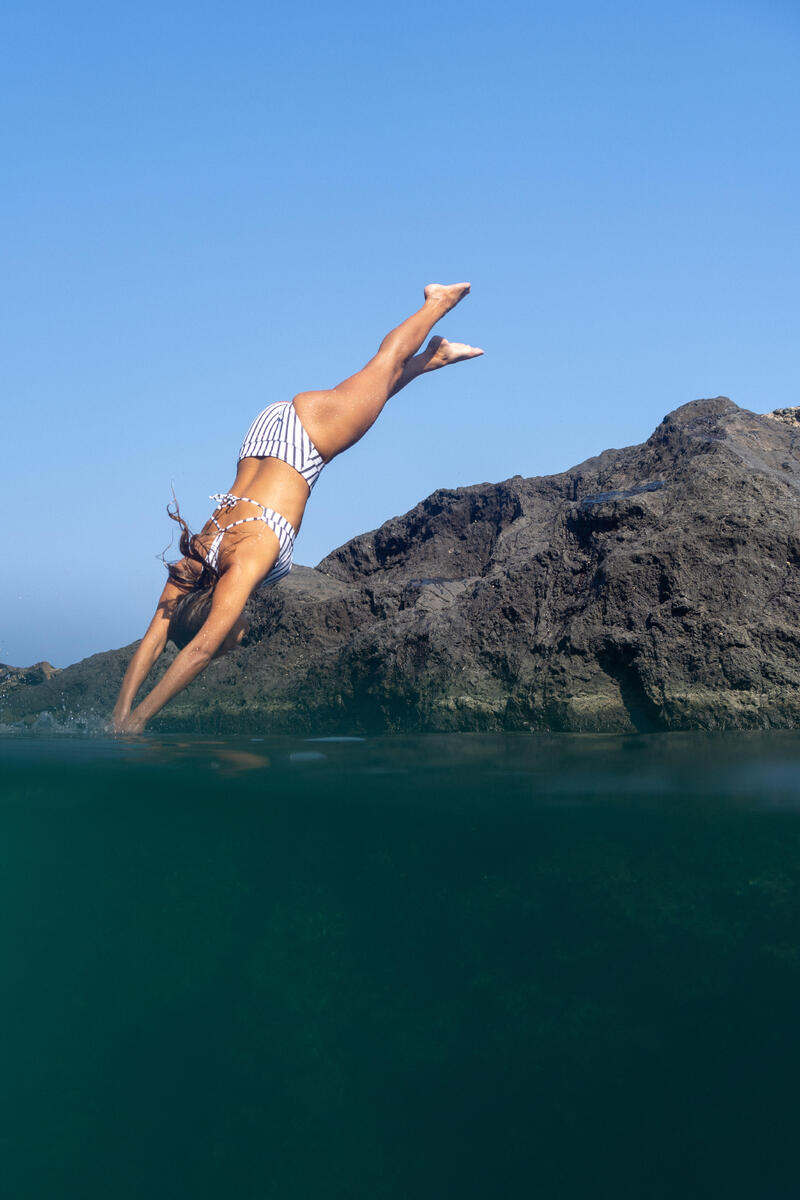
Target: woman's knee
(393, 351)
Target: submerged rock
(653, 587)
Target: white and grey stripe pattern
(282, 529)
(278, 432)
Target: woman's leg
(337, 418)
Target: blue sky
(209, 207)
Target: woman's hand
(125, 724)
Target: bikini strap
(213, 550)
(226, 500)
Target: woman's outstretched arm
(230, 596)
(146, 653)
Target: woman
(248, 542)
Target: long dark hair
(191, 610)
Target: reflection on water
(744, 768)
(399, 967)
(214, 755)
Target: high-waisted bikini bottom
(278, 432)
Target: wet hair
(192, 609)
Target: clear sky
(208, 207)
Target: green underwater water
(409, 967)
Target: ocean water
(399, 968)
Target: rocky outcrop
(790, 415)
(11, 677)
(653, 587)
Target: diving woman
(248, 541)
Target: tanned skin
(334, 420)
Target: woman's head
(197, 579)
(189, 615)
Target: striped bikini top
(278, 432)
(281, 527)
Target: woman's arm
(230, 596)
(146, 654)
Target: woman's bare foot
(446, 295)
(440, 353)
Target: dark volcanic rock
(654, 587)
